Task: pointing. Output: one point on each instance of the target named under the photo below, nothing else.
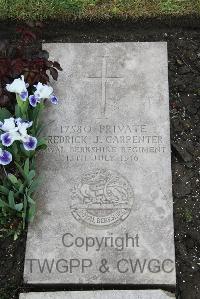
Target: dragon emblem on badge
(101, 198)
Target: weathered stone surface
(105, 211)
(147, 294)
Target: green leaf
(30, 200)
(36, 112)
(25, 152)
(17, 111)
(42, 144)
(11, 200)
(21, 188)
(26, 167)
(23, 107)
(13, 179)
(19, 207)
(3, 204)
(24, 210)
(32, 163)
(15, 151)
(20, 170)
(20, 191)
(31, 175)
(4, 190)
(33, 187)
(40, 128)
(31, 212)
(4, 113)
(42, 141)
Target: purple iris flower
(54, 100)
(30, 144)
(5, 157)
(33, 100)
(7, 139)
(24, 95)
(16, 130)
(42, 92)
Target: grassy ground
(94, 9)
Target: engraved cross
(104, 79)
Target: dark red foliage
(25, 57)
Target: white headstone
(105, 212)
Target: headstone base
(146, 294)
